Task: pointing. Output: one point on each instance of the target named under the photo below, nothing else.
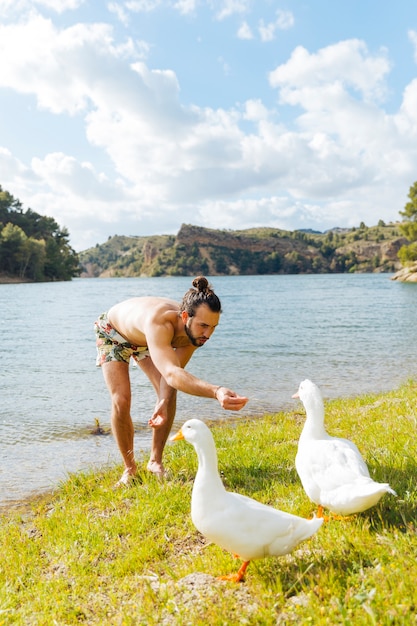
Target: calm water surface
(351, 334)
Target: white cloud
(341, 157)
(283, 21)
(6, 6)
(65, 175)
(276, 211)
(345, 65)
(266, 31)
(12, 170)
(59, 6)
(231, 7)
(412, 35)
(255, 110)
(224, 65)
(244, 31)
(17, 8)
(407, 117)
(64, 69)
(119, 11)
(185, 7)
(145, 6)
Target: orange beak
(178, 436)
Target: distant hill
(197, 250)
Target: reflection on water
(351, 334)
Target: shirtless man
(161, 336)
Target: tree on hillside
(33, 246)
(7, 205)
(408, 227)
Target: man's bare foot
(127, 479)
(157, 469)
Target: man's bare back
(131, 317)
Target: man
(161, 336)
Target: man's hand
(159, 416)
(229, 400)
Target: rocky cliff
(197, 250)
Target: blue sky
(133, 117)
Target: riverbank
(406, 274)
(90, 554)
(5, 279)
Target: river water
(349, 333)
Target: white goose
(331, 469)
(247, 528)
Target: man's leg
(160, 434)
(116, 376)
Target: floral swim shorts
(111, 346)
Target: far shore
(406, 274)
(11, 280)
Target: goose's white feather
(331, 469)
(235, 522)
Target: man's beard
(194, 340)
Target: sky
(134, 117)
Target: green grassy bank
(89, 554)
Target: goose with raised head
(243, 526)
(331, 469)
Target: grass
(89, 554)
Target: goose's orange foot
(320, 513)
(240, 574)
(332, 516)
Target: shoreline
(25, 504)
(12, 280)
(406, 274)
